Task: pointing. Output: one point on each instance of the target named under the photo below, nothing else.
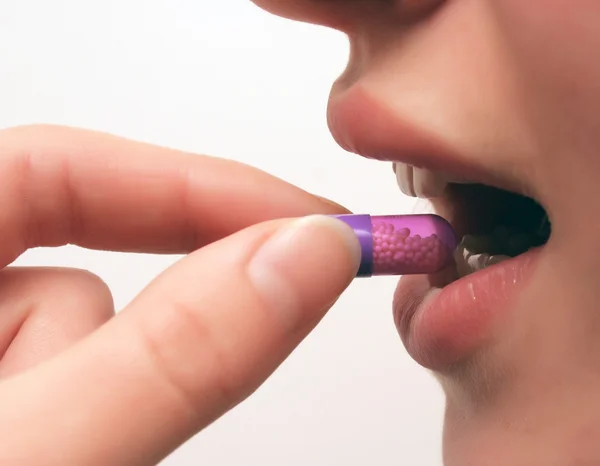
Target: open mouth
(495, 225)
(492, 224)
(445, 317)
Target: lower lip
(440, 327)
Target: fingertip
(305, 265)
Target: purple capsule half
(402, 244)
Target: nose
(348, 15)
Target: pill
(402, 244)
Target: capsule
(402, 244)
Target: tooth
(478, 262)
(404, 176)
(497, 259)
(428, 184)
(467, 262)
(481, 261)
(422, 182)
(419, 182)
(461, 257)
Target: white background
(227, 79)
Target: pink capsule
(402, 244)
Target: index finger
(61, 185)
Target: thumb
(196, 342)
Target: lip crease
(440, 326)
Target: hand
(81, 386)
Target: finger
(45, 310)
(61, 185)
(199, 340)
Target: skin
(197, 341)
(512, 89)
(516, 95)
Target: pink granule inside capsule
(398, 252)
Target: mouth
(445, 318)
(495, 225)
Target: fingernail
(305, 266)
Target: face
(506, 94)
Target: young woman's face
(504, 93)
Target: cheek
(557, 36)
(554, 46)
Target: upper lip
(361, 124)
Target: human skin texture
(81, 385)
(504, 91)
